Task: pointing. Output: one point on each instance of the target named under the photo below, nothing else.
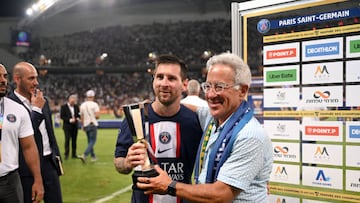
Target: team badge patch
(11, 118)
(263, 26)
(164, 137)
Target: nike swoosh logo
(162, 151)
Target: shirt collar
(223, 124)
(22, 98)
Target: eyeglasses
(218, 87)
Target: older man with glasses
(234, 159)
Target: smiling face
(223, 104)
(168, 84)
(3, 81)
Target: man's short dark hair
(172, 59)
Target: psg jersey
(174, 140)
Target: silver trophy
(136, 117)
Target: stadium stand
(127, 46)
(130, 45)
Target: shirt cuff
(37, 109)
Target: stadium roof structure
(73, 6)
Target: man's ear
(244, 89)
(185, 84)
(16, 78)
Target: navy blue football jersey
(174, 141)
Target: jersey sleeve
(124, 140)
(26, 128)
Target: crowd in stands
(126, 46)
(112, 90)
(130, 45)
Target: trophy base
(148, 173)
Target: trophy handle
(133, 113)
(138, 125)
(134, 116)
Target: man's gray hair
(241, 69)
(193, 87)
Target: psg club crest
(11, 118)
(164, 137)
(263, 26)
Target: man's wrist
(171, 190)
(122, 167)
(127, 165)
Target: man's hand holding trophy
(136, 115)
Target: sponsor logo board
(322, 131)
(352, 97)
(282, 129)
(352, 46)
(320, 73)
(352, 71)
(330, 96)
(352, 131)
(322, 177)
(352, 157)
(283, 199)
(286, 75)
(281, 97)
(286, 151)
(282, 53)
(353, 180)
(324, 49)
(322, 154)
(285, 173)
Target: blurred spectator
(69, 113)
(193, 94)
(89, 114)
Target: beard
(3, 94)
(165, 102)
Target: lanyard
(205, 141)
(1, 115)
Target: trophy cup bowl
(136, 115)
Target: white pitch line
(114, 194)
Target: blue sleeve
(124, 140)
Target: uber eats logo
(354, 46)
(281, 75)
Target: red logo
(281, 53)
(322, 130)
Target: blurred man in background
(27, 93)
(193, 94)
(69, 113)
(89, 114)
